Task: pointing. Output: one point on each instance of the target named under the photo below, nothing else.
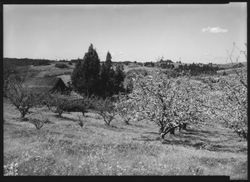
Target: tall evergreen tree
(85, 75)
(108, 62)
(118, 79)
(106, 75)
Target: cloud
(214, 30)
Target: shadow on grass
(147, 138)
(137, 126)
(205, 139)
(211, 139)
(108, 127)
(23, 133)
(111, 127)
(65, 118)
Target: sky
(183, 32)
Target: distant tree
(61, 65)
(149, 64)
(108, 62)
(85, 76)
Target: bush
(59, 104)
(82, 121)
(37, 123)
(38, 120)
(61, 65)
(65, 105)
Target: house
(67, 80)
(46, 84)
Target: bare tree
(20, 96)
(106, 108)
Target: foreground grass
(64, 148)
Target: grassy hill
(62, 147)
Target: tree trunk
(184, 127)
(60, 113)
(83, 114)
(180, 127)
(126, 122)
(107, 123)
(22, 115)
(172, 130)
(161, 129)
(163, 133)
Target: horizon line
(68, 60)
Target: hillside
(43, 67)
(63, 148)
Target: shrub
(65, 105)
(38, 120)
(61, 65)
(59, 104)
(82, 121)
(37, 123)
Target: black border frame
(101, 178)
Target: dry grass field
(62, 147)
(51, 70)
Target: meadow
(62, 147)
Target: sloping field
(51, 70)
(62, 147)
